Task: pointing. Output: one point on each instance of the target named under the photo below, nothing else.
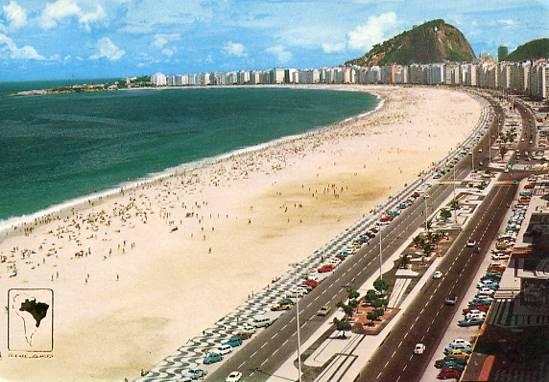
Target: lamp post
(455, 210)
(298, 341)
(425, 200)
(380, 257)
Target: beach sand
(139, 289)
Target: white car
(247, 328)
(235, 376)
(500, 256)
(471, 243)
(485, 291)
(461, 341)
(437, 275)
(478, 316)
(224, 349)
(419, 349)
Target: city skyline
(84, 39)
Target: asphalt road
(268, 350)
(427, 318)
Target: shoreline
(13, 225)
(269, 209)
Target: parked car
(195, 373)
(262, 321)
(278, 307)
(233, 342)
(500, 256)
(439, 363)
(449, 374)
(479, 315)
(460, 341)
(470, 322)
(247, 328)
(486, 291)
(224, 349)
(234, 376)
(419, 349)
(212, 358)
(458, 354)
(324, 311)
(462, 347)
(326, 268)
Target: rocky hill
(530, 51)
(433, 41)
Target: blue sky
(105, 38)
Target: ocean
(57, 148)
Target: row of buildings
(529, 78)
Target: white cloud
(329, 47)
(506, 22)
(234, 49)
(107, 49)
(363, 37)
(281, 54)
(61, 9)
(8, 49)
(91, 17)
(161, 39)
(168, 52)
(15, 14)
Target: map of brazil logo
(30, 319)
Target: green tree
(445, 214)
(346, 308)
(371, 295)
(353, 293)
(428, 248)
(418, 241)
(372, 316)
(378, 303)
(381, 285)
(404, 261)
(342, 326)
(454, 204)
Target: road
(269, 349)
(427, 318)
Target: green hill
(433, 41)
(530, 51)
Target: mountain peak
(432, 41)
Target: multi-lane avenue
(269, 349)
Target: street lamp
(380, 257)
(425, 200)
(298, 341)
(455, 210)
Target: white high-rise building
(159, 79)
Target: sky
(60, 39)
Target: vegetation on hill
(532, 50)
(433, 41)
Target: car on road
(486, 291)
(224, 349)
(195, 374)
(470, 322)
(437, 275)
(479, 315)
(500, 256)
(322, 312)
(234, 376)
(458, 354)
(462, 347)
(278, 307)
(460, 341)
(247, 328)
(471, 243)
(439, 363)
(212, 358)
(262, 321)
(233, 342)
(419, 349)
(451, 300)
(326, 268)
(449, 374)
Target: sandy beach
(138, 274)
